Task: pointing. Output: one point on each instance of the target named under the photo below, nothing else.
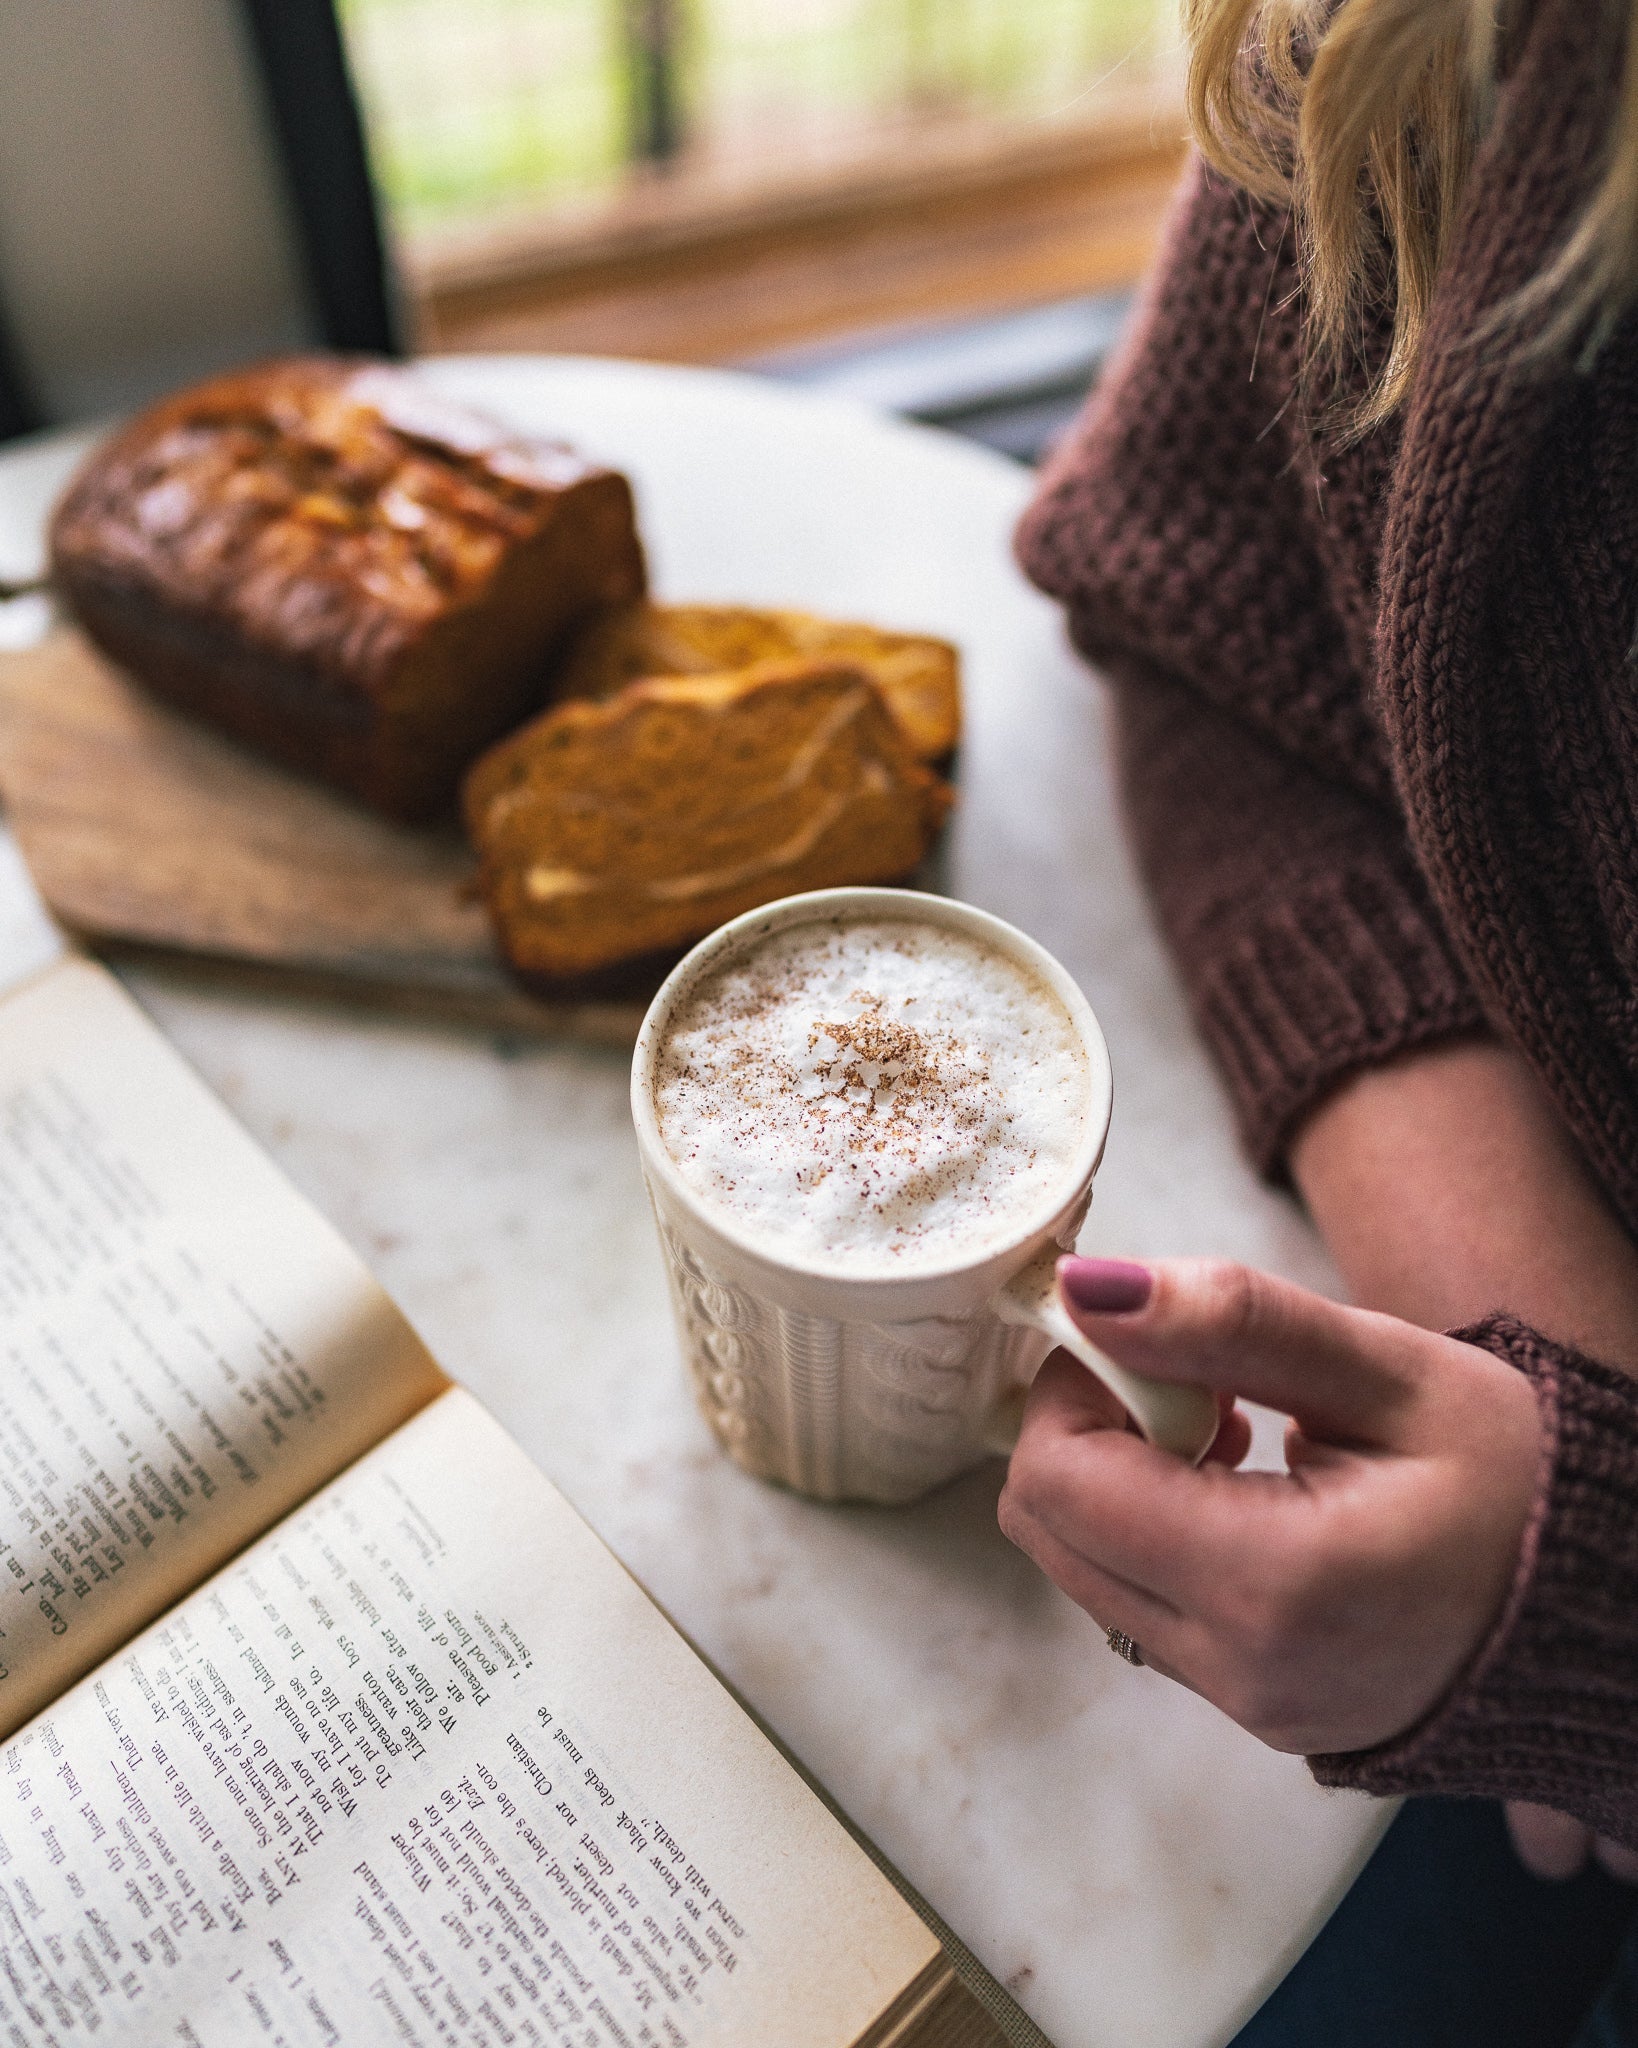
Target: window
(582, 126)
(480, 109)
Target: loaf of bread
(613, 830)
(331, 562)
(919, 676)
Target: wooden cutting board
(147, 834)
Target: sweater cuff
(1548, 1711)
(1345, 971)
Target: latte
(873, 1095)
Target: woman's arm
(1219, 580)
(1446, 1187)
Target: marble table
(1135, 1869)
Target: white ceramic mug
(880, 1388)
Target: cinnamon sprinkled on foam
(883, 1095)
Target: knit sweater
(1377, 731)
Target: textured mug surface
(842, 1386)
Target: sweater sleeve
(1303, 933)
(1545, 1712)
(1226, 592)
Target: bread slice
(920, 677)
(609, 831)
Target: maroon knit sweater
(1377, 714)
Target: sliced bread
(617, 829)
(919, 676)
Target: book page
(427, 1766)
(187, 1349)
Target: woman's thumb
(1210, 1323)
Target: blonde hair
(1363, 116)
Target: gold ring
(1123, 1646)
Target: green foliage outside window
(485, 107)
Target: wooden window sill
(702, 268)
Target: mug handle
(1178, 1419)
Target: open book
(331, 1722)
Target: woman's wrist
(1446, 1186)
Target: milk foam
(879, 1096)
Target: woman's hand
(1446, 1185)
(1328, 1608)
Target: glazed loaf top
(326, 509)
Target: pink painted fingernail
(1104, 1287)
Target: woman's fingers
(1080, 1401)
(1164, 1637)
(1146, 1543)
(1112, 1601)
(1616, 1861)
(1549, 1844)
(1098, 1408)
(1232, 1442)
(1214, 1324)
(1552, 1845)
(1122, 1507)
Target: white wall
(144, 234)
